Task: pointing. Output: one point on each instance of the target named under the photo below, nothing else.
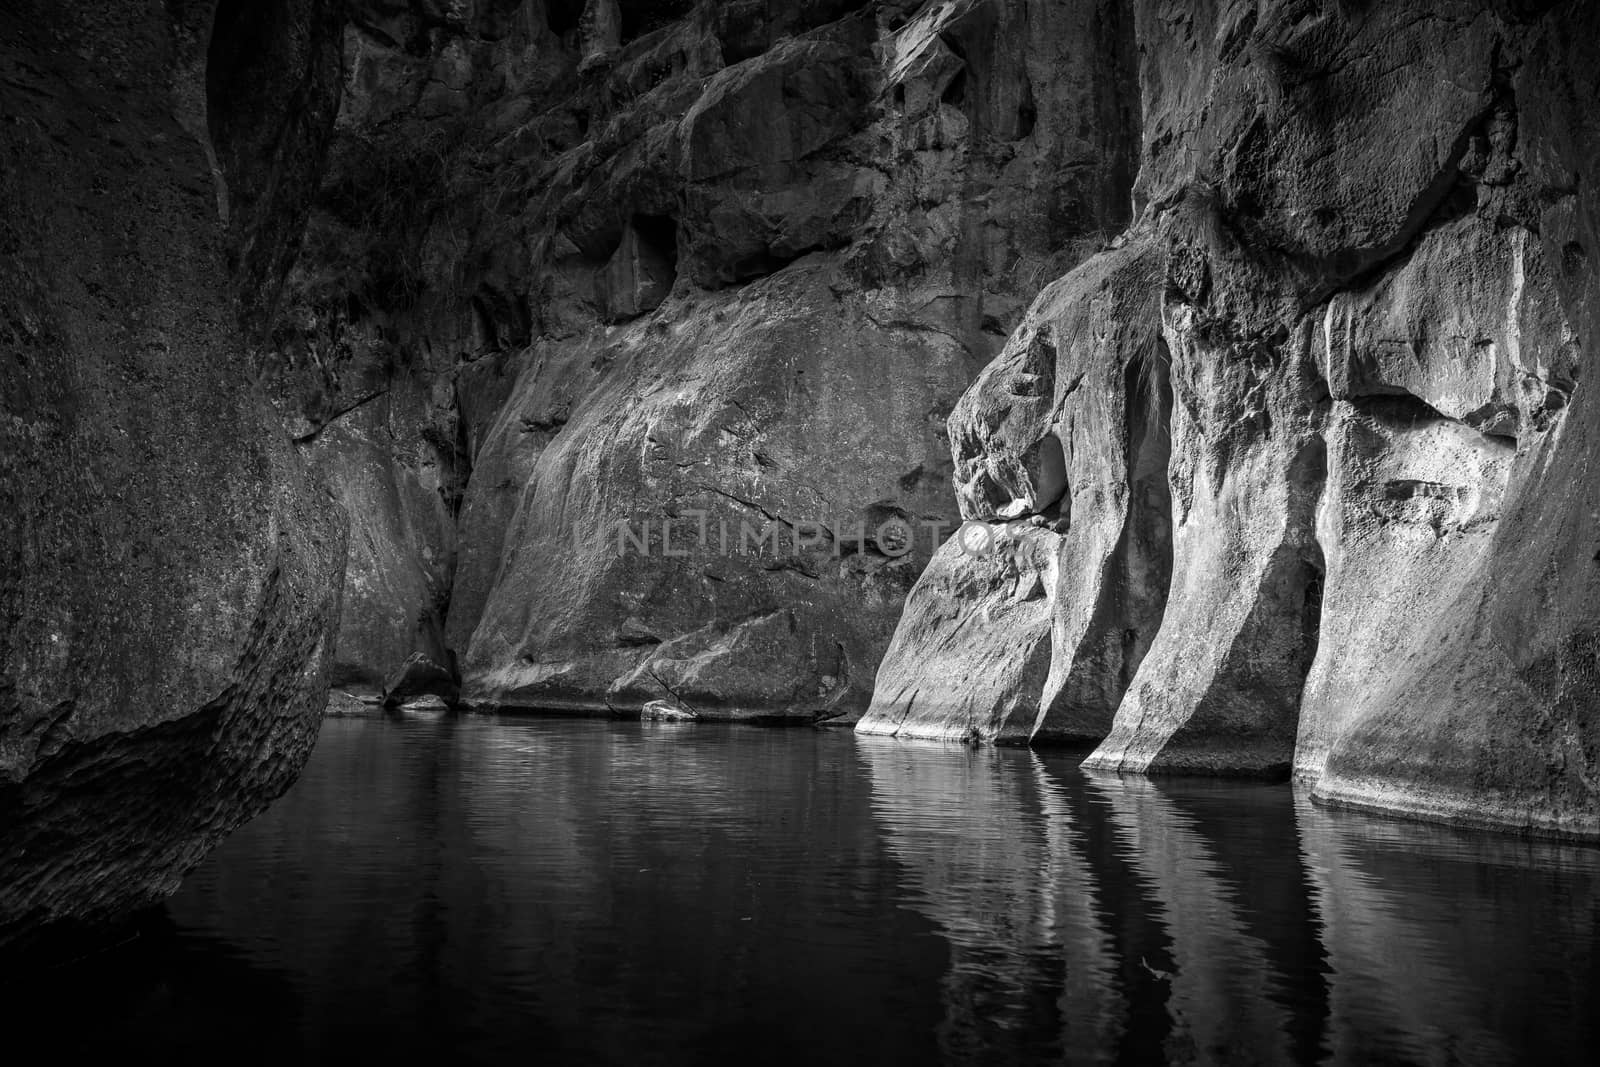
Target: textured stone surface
(1060, 454)
(723, 266)
(973, 647)
(170, 576)
(1371, 282)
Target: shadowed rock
(169, 577)
(706, 266)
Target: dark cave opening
(1051, 491)
(641, 268)
(955, 94)
(659, 233)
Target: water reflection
(1093, 918)
(985, 838)
(485, 891)
(1446, 946)
(1225, 1002)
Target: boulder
(730, 496)
(666, 711)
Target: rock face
(169, 575)
(1350, 323)
(627, 331)
(1064, 436)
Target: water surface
(483, 890)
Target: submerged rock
(169, 574)
(666, 711)
(1341, 528)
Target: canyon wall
(1349, 326)
(1282, 469)
(600, 302)
(169, 574)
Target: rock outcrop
(169, 575)
(628, 331)
(1350, 323)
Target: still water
(482, 890)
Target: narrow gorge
(1201, 384)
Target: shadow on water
(486, 891)
(471, 890)
(153, 988)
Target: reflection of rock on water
(1224, 1002)
(1455, 946)
(984, 837)
(1098, 917)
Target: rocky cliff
(168, 572)
(1297, 476)
(628, 331)
(638, 337)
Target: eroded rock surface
(169, 575)
(1370, 289)
(680, 277)
(1060, 452)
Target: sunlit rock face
(1065, 433)
(679, 277)
(169, 575)
(1372, 557)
